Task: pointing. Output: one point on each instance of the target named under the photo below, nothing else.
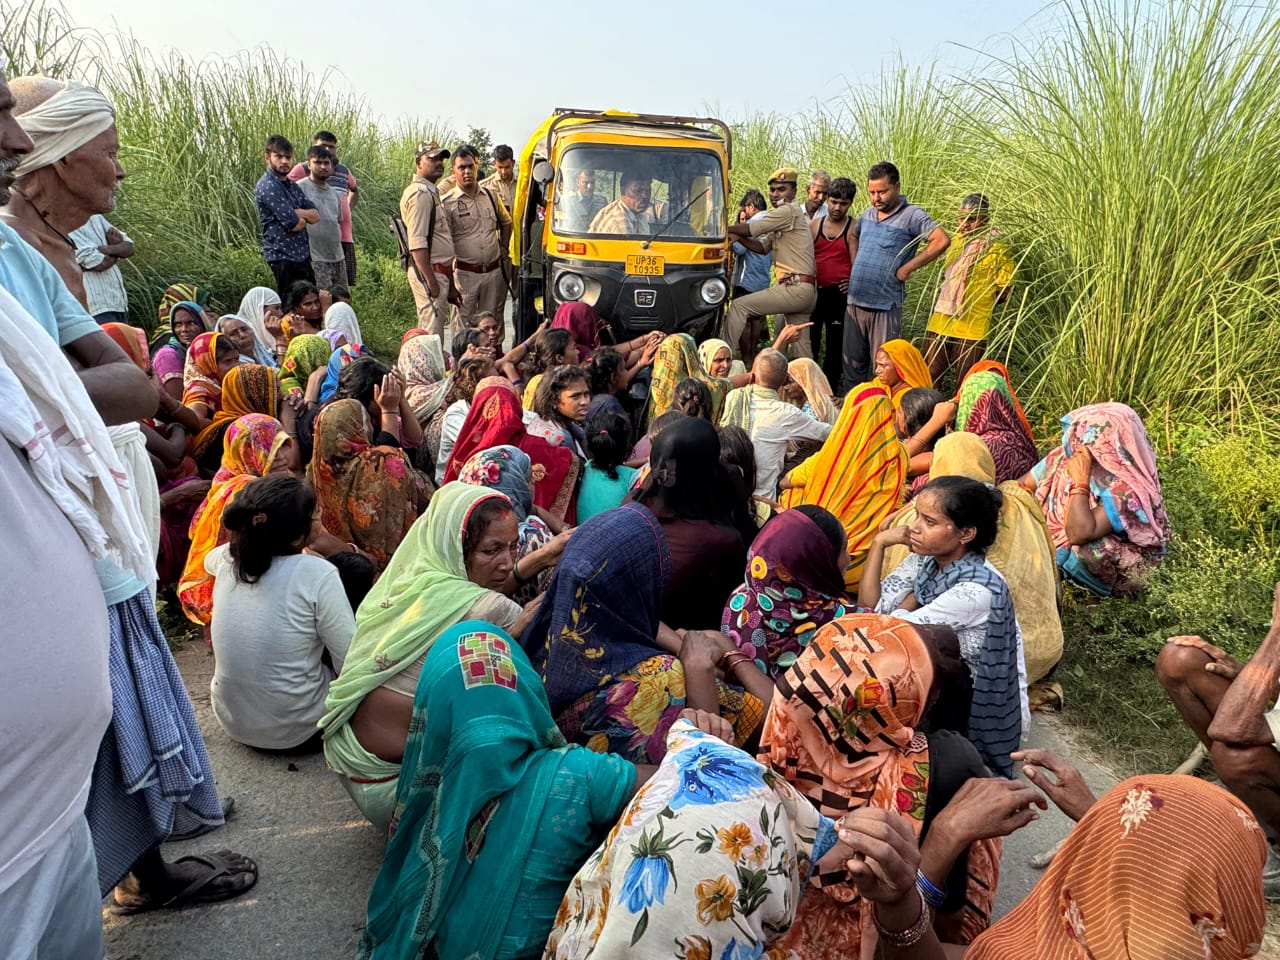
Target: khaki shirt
(474, 224)
(416, 203)
(506, 190)
(787, 229)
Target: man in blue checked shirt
(284, 213)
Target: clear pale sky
(504, 65)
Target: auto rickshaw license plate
(643, 265)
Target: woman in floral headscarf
(256, 445)
(842, 730)
(427, 383)
(507, 470)
(794, 585)
(1101, 496)
(988, 407)
(368, 496)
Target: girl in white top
(947, 579)
(281, 621)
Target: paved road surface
(317, 857)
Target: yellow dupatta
(857, 474)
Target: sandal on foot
(240, 870)
(228, 807)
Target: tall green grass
(191, 138)
(1129, 158)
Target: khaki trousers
(481, 293)
(795, 301)
(431, 313)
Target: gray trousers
(865, 332)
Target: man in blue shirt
(888, 234)
(284, 213)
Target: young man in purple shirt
(888, 234)
(284, 213)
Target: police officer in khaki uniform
(430, 242)
(503, 183)
(481, 229)
(785, 230)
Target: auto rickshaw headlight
(570, 286)
(713, 291)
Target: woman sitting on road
(1101, 495)
(689, 491)
(369, 495)
(1160, 867)
(506, 469)
(260, 308)
(616, 676)
(183, 318)
(303, 311)
(561, 403)
(843, 729)
(1022, 552)
(281, 623)
(306, 354)
(210, 358)
(467, 375)
(762, 828)
(947, 579)
(717, 359)
(794, 585)
(246, 389)
(453, 565)
(496, 419)
(237, 330)
(819, 401)
(922, 418)
(857, 475)
(900, 367)
(256, 446)
(988, 407)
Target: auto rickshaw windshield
(639, 192)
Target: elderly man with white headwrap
(77, 655)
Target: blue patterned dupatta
(601, 611)
(995, 719)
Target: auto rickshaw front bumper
(684, 298)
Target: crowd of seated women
(601, 694)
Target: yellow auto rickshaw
(626, 213)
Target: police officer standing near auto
(429, 242)
(784, 230)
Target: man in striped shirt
(99, 249)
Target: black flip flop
(228, 807)
(197, 891)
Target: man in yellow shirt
(977, 274)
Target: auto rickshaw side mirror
(543, 172)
